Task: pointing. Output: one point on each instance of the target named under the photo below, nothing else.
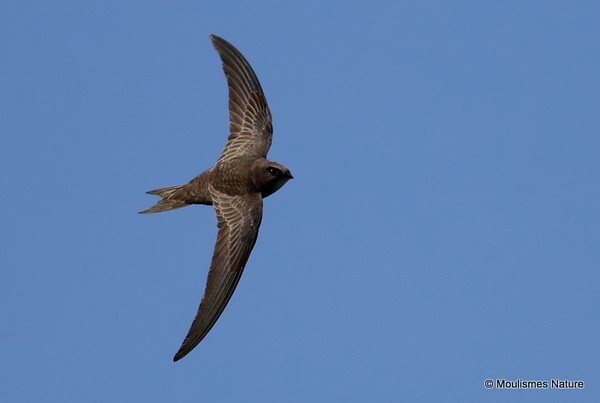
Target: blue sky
(442, 228)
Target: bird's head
(269, 176)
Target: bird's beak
(288, 175)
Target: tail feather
(167, 201)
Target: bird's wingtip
(178, 356)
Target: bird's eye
(273, 170)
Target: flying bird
(235, 186)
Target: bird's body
(235, 186)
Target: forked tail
(168, 200)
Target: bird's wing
(250, 124)
(238, 218)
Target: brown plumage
(235, 186)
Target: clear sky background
(442, 228)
